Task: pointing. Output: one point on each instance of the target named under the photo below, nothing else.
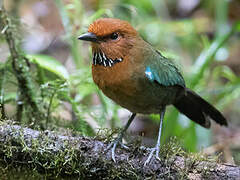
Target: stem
(19, 106)
(49, 106)
(2, 81)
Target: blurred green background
(203, 37)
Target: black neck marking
(101, 59)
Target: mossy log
(88, 158)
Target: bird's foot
(155, 150)
(113, 145)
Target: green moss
(39, 157)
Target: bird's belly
(143, 100)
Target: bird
(136, 76)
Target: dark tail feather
(198, 110)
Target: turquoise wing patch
(149, 74)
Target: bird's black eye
(114, 36)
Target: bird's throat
(99, 58)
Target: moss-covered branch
(78, 156)
(20, 67)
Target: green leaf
(10, 97)
(50, 64)
(238, 26)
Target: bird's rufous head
(111, 40)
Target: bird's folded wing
(163, 71)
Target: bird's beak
(88, 37)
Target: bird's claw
(113, 145)
(155, 149)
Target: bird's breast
(115, 81)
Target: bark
(83, 157)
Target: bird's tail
(199, 110)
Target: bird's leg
(118, 140)
(157, 147)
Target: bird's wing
(163, 71)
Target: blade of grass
(206, 57)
